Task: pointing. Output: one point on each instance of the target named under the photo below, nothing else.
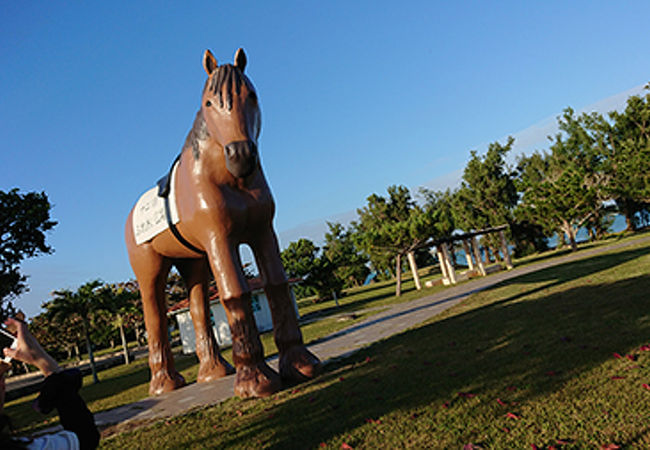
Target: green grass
(124, 384)
(531, 361)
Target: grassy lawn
(558, 357)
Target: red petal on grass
(346, 446)
(646, 386)
(609, 447)
(501, 402)
(295, 391)
(341, 378)
(645, 348)
(375, 421)
(506, 429)
(322, 445)
(618, 378)
(368, 359)
(533, 446)
(631, 357)
(617, 356)
(512, 416)
(562, 442)
(466, 394)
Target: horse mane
(232, 78)
(199, 132)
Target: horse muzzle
(241, 158)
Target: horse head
(231, 112)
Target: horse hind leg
(195, 273)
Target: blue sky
(96, 99)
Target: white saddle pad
(149, 213)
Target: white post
(450, 267)
(468, 255)
(477, 256)
(414, 269)
(443, 265)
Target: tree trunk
(138, 337)
(571, 234)
(91, 356)
(414, 269)
(336, 300)
(505, 251)
(76, 352)
(398, 268)
(124, 343)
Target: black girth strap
(177, 234)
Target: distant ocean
(583, 235)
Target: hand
(29, 350)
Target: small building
(220, 327)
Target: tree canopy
(24, 221)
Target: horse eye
(208, 103)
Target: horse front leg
(195, 273)
(296, 362)
(254, 378)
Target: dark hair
(7, 440)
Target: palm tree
(82, 303)
(119, 301)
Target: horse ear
(240, 59)
(209, 62)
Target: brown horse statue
(222, 201)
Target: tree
(301, 260)
(350, 265)
(120, 301)
(624, 145)
(560, 189)
(488, 193)
(393, 227)
(82, 303)
(24, 220)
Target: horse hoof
(213, 370)
(256, 381)
(298, 364)
(163, 382)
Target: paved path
(393, 320)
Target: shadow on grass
(537, 346)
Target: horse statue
(216, 197)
